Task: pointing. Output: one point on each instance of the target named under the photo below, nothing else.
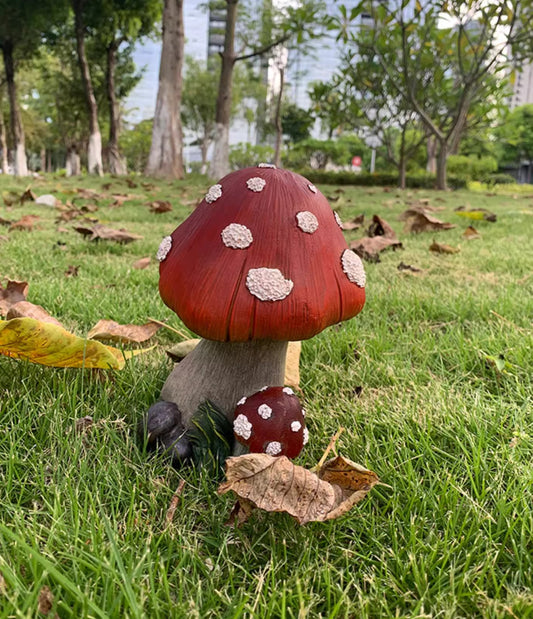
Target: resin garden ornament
(261, 261)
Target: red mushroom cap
(261, 257)
(271, 421)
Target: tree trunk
(94, 152)
(115, 161)
(17, 130)
(279, 128)
(220, 162)
(4, 163)
(402, 163)
(431, 166)
(166, 152)
(72, 165)
(224, 372)
(204, 147)
(441, 165)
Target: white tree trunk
(73, 166)
(94, 154)
(21, 166)
(220, 161)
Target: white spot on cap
(213, 194)
(307, 222)
(353, 267)
(312, 188)
(236, 236)
(256, 183)
(241, 401)
(164, 247)
(288, 391)
(273, 448)
(266, 165)
(268, 284)
(264, 411)
(295, 426)
(338, 220)
(242, 427)
(306, 436)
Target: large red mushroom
(260, 262)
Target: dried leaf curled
(101, 232)
(442, 248)
(11, 294)
(369, 248)
(113, 331)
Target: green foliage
(296, 122)
(318, 153)
(515, 135)
(471, 168)
(245, 154)
(135, 145)
(499, 179)
(378, 179)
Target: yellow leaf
(52, 345)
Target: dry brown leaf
(83, 424)
(25, 309)
(131, 184)
(26, 222)
(442, 248)
(111, 330)
(408, 267)
(27, 196)
(142, 263)
(72, 271)
(106, 186)
(45, 600)
(5, 222)
(379, 227)
(88, 194)
(11, 294)
(471, 233)
(101, 232)
(148, 186)
(275, 484)
(354, 223)
(369, 248)
(160, 206)
(422, 222)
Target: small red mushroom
(271, 421)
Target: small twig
(330, 447)
(164, 324)
(174, 503)
(509, 322)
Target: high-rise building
(522, 86)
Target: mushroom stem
(224, 372)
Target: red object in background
(357, 161)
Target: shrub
(245, 154)
(471, 168)
(380, 179)
(499, 179)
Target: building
(522, 86)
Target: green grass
(412, 379)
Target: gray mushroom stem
(223, 373)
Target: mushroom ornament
(261, 261)
(271, 421)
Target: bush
(379, 179)
(499, 179)
(471, 168)
(245, 154)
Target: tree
(443, 72)
(166, 153)
(299, 22)
(23, 27)
(515, 136)
(296, 122)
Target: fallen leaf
(9, 198)
(160, 206)
(5, 222)
(101, 232)
(27, 196)
(471, 233)
(379, 227)
(275, 484)
(149, 186)
(11, 294)
(26, 222)
(478, 214)
(72, 271)
(25, 309)
(354, 223)
(369, 248)
(422, 222)
(111, 330)
(52, 345)
(142, 263)
(180, 350)
(442, 248)
(89, 194)
(45, 601)
(131, 184)
(106, 186)
(408, 267)
(83, 424)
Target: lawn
(433, 382)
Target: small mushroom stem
(223, 373)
